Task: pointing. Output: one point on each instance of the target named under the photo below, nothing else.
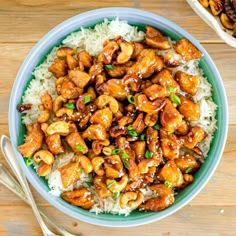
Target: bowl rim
(73, 21)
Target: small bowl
(136, 17)
(213, 22)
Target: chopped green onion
(116, 195)
(132, 133)
(170, 132)
(90, 175)
(81, 170)
(148, 154)
(168, 184)
(126, 164)
(130, 127)
(131, 99)
(87, 98)
(79, 147)
(70, 106)
(188, 170)
(175, 98)
(116, 151)
(29, 161)
(110, 67)
(125, 155)
(157, 126)
(142, 137)
(110, 184)
(89, 183)
(171, 89)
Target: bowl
(136, 17)
(213, 22)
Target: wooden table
(212, 212)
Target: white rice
(92, 41)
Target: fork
(9, 181)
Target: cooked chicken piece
(187, 50)
(77, 143)
(54, 144)
(103, 117)
(108, 51)
(80, 197)
(95, 69)
(170, 117)
(58, 68)
(171, 173)
(94, 132)
(85, 58)
(62, 52)
(217, 6)
(183, 128)
(80, 78)
(114, 88)
(113, 167)
(189, 109)
(69, 90)
(172, 60)
(165, 197)
(71, 62)
(146, 64)
(155, 39)
(70, 173)
(165, 79)
(46, 100)
(170, 146)
(195, 136)
(156, 91)
(117, 70)
(187, 164)
(188, 83)
(205, 3)
(33, 141)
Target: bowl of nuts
(220, 15)
(118, 121)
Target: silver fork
(9, 181)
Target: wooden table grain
(212, 212)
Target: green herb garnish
(87, 99)
(125, 155)
(175, 98)
(171, 89)
(131, 99)
(116, 195)
(132, 133)
(116, 151)
(168, 184)
(142, 137)
(130, 127)
(29, 161)
(148, 154)
(157, 126)
(79, 147)
(110, 184)
(109, 66)
(188, 170)
(170, 132)
(90, 175)
(126, 164)
(89, 183)
(69, 105)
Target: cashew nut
(44, 116)
(45, 156)
(64, 110)
(46, 100)
(126, 51)
(118, 186)
(104, 100)
(85, 163)
(145, 164)
(107, 150)
(131, 199)
(98, 144)
(58, 102)
(59, 127)
(97, 163)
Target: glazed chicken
(126, 116)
